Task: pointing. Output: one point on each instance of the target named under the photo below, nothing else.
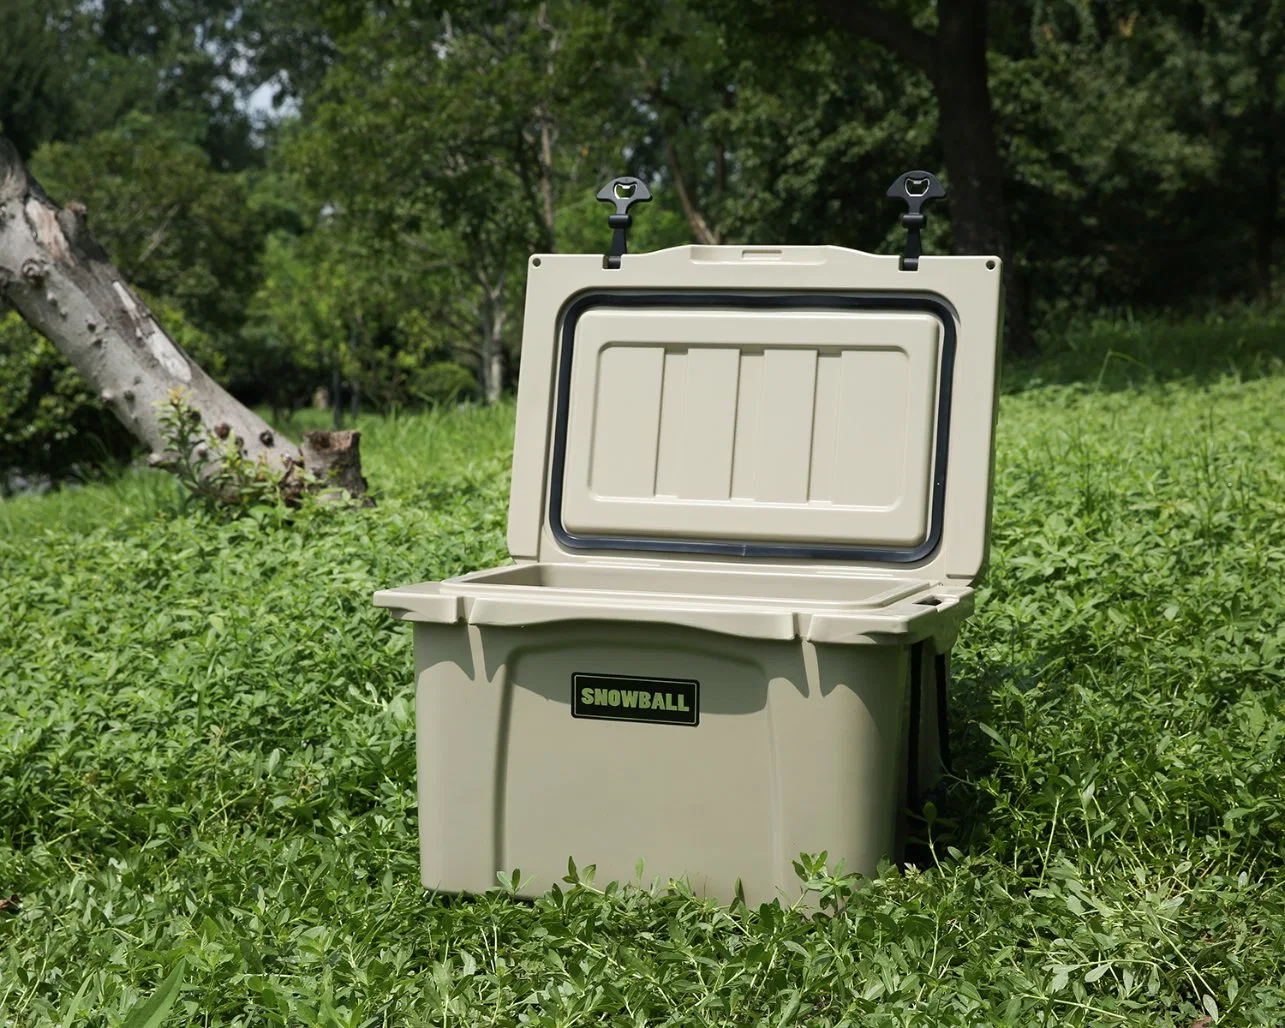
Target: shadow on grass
(1113, 354)
(955, 813)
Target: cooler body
(795, 747)
(711, 737)
(751, 493)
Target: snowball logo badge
(661, 701)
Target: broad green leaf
(152, 1013)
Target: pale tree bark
(702, 229)
(62, 283)
(493, 357)
(538, 149)
(547, 133)
(491, 317)
(696, 221)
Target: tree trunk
(1267, 225)
(966, 127)
(494, 373)
(335, 458)
(1266, 230)
(60, 280)
(492, 355)
(546, 180)
(955, 62)
(696, 221)
(548, 135)
(491, 319)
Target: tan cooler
(751, 492)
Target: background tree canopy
(338, 195)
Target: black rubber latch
(624, 192)
(915, 189)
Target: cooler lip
(925, 610)
(844, 300)
(890, 589)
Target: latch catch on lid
(624, 192)
(915, 189)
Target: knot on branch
(45, 223)
(165, 461)
(13, 173)
(74, 223)
(33, 271)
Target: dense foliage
(207, 772)
(337, 193)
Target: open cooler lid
(811, 406)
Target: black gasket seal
(756, 301)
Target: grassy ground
(206, 763)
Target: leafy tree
(1123, 130)
(1243, 49)
(796, 153)
(453, 133)
(36, 93)
(176, 227)
(58, 277)
(1114, 154)
(187, 59)
(70, 70)
(947, 43)
(337, 309)
(51, 422)
(1102, 167)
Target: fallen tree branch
(60, 280)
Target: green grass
(411, 457)
(1124, 352)
(206, 759)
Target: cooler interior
(812, 590)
